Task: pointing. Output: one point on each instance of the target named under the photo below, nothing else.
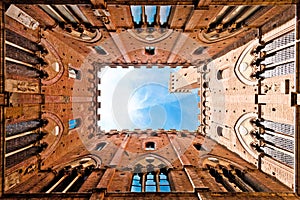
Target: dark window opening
(100, 146)
(198, 146)
(74, 73)
(219, 131)
(100, 50)
(199, 50)
(150, 50)
(219, 74)
(150, 146)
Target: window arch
(100, 146)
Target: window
(150, 146)
(100, 50)
(219, 131)
(150, 12)
(74, 123)
(136, 185)
(164, 184)
(100, 146)
(22, 17)
(136, 12)
(73, 73)
(198, 146)
(199, 51)
(150, 50)
(150, 183)
(164, 13)
(219, 74)
(153, 182)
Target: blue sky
(139, 98)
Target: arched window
(164, 184)
(136, 185)
(151, 182)
(100, 146)
(74, 123)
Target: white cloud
(122, 102)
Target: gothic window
(150, 146)
(74, 123)
(100, 146)
(136, 12)
(164, 13)
(136, 183)
(164, 184)
(150, 12)
(151, 182)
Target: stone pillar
(57, 183)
